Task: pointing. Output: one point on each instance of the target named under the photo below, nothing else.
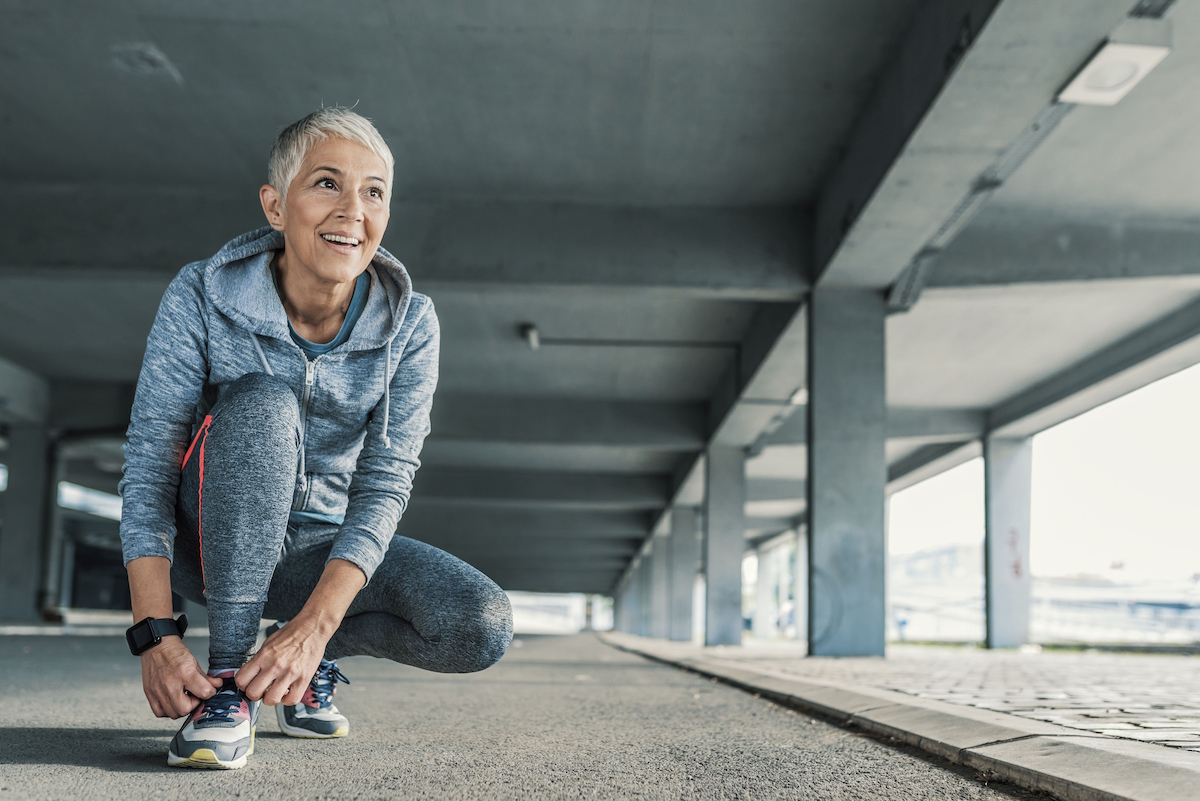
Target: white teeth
(341, 240)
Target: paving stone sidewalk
(1147, 697)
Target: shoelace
(220, 708)
(324, 683)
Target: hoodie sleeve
(383, 477)
(174, 370)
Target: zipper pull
(309, 369)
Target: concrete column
(620, 608)
(800, 584)
(22, 521)
(684, 553)
(724, 543)
(847, 472)
(660, 589)
(764, 600)
(629, 603)
(1008, 477)
(644, 595)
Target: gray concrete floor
(565, 717)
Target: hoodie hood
(238, 280)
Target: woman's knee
(258, 403)
(488, 629)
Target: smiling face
(335, 213)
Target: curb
(1066, 763)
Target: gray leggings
(423, 607)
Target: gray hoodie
(364, 405)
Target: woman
(292, 375)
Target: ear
(272, 205)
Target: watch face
(140, 637)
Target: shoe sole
(305, 734)
(206, 759)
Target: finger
(295, 694)
(249, 672)
(200, 685)
(280, 688)
(163, 708)
(257, 689)
(183, 705)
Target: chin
(341, 270)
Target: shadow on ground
(113, 749)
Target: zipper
(310, 377)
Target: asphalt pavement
(558, 717)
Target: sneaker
(316, 716)
(219, 733)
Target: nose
(350, 207)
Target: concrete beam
(903, 422)
(538, 488)
(930, 461)
(533, 421)
(760, 529)
(24, 395)
(428, 520)
(731, 253)
(970, 78)
(1156, 351)
(1014, 247)
(774, 489)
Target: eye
(376, 192)
(326, 183)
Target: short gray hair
(294, 141)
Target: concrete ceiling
(655, 186)
(590, 102)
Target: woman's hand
(283, 667)
(288, 660)
(172, 679)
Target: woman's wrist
(320, 622)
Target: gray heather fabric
(424, 607)
(364, 405)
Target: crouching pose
(281, 408)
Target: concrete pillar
(1008, 477)
(847, 472)
(22, 521)
(800, 584)
(763, 624)
(620, 618)
(644, 595)
(724, 543)
(629, 603)
(684, 550)
(660, 588)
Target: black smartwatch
(149, 633)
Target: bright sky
(1118, 484)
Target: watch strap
(146, 634)
(166, 627)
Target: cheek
(377, 225)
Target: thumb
(214, 681)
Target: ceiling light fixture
(1135, 47)
(530, 334)
(144, 58)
